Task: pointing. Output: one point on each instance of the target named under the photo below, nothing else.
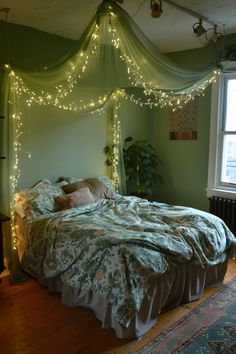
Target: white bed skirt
(180, 285)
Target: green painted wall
(66, 144)
(29, 48)
(186, 162)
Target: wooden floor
(34, 321)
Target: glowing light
(154, 96)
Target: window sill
(223, 193)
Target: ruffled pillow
(108, 182)
(82, 196)
(38, 200)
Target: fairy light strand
(154, 96)
(157, 97)
(119, 94)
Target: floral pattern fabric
(117, 248)
(38, 200)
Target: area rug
(208, 328)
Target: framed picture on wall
(183, 122)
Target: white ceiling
(171, 32)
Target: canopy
(112, 54)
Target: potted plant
(141, 167)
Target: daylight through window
(228, 172)
(222, 158)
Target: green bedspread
(117, 247)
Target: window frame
(215, 186)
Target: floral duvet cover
(117, 247)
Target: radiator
(226, 210)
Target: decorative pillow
(97, 188)
(82, 196)
(37, 200)
(108, 182)
(61, 183)
(69, 179)
(104, 179)
(44, 183)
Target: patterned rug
(208, 328)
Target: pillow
(61, 183)
(97, 188)
(69, 179)
(104, 179)
(42, 183)
(82, 196)
(19, 205)
(37, 200)
(108, 182)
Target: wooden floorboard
(34, 321)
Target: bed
(123, 257)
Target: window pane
(229, 159)
(230, 124)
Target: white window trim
(214, 188)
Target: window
(228, 170)
(222, 158)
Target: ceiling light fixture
(212, 35)
(156, 8)
(198, 28)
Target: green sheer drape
(113, 61)
(8, 176)
(112, 54)
(6, 151)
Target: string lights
(17, 125)
(117, 95)
(156, 96)
(76, 70)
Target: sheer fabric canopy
(113, 60)
(113, 54)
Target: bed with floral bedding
(123, 257)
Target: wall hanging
(183, 122)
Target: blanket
(118, 247)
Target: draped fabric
(113, 61)
(112, 54)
